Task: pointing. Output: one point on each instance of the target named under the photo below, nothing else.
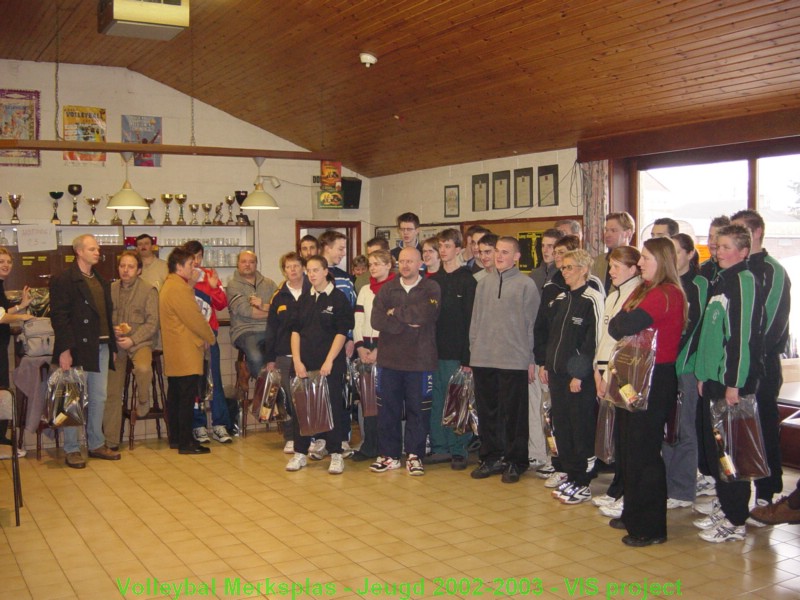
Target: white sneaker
(220, 433)
(752, 521)
(711, 521)
(384, 463)
(613, 510)
(337, 464)
(603, 500)
(288, 447)
(347, 451)
(317, 450)
(555, 480)
(297, 462)
(706, 508)
(725, 531)
(545, 471)
(590, 462)
(705, 486)
(201, 435)
(675, 503)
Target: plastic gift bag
(268, 390)
(631, 365)
(459, 405)
(740, 442)
(604, 434)
(312, 404)
(547, 424)
(67, 398)
(365, 376)
(672, 428)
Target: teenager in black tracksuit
(564, 350)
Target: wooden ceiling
(456, 81)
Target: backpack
(38, 337)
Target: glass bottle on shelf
(3, 239)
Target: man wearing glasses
(408, 226)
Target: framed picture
(548, 185)
(523, 187)
(501, 189)
(19, 120)
(451, 201)
(480, 192)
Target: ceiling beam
(63, 146)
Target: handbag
(312, 404)
(38, 337)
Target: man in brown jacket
(185, 334)
(135, 318)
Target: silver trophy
(56, 196)
(14, 200)
(74, 190)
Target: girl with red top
(658, 303)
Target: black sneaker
(511, 474)
(458, 463)
(487, 469)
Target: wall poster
(19, 120)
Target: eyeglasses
(408, 229)
(560, 251)
(568, 268)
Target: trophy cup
(181, 200)
(207, 210)
(14, 200)
(229, 200)
(93, 202)
(241, 218)
(167, 200)
(116, 220)
(132, 220)
(218, 214)
(194, 208)
(74, 190)
(56, 196)
(149, 220)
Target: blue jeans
(403, 393)
(96, 382)
(219, 407)
(253, 346)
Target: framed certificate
(548, 186)
(480, 192)
(523, 187)
(501, 189)
(451, 201)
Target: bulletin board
(527, 231)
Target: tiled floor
(235, 517)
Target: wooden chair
(158, 409)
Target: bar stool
(8, 411)
(158, 408)
(243, 389)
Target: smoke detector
(367, 59)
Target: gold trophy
(194, 208)
(149, 220)
(207, 210)
(74, 190)
(181, 200)
(167, 200)
(116, 220)
(93, 202)
(56, 196)
(229, 200)
(14, 200)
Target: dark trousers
(284, 363)
(767, 398)
(644, 474)
(574, 423)
(369, 438)
(181, 396)
(333, 438)
(403, 393)
(734, 497)
(501, 397)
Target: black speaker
(351, 192)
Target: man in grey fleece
(501, 349)
(249, 295)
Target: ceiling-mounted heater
(148, 19)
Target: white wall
(204, 179)
(422, 192)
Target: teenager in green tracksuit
(728, 365)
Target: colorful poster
(19, 120)
(530, 247)
(326, 199)
(331, 176)
(85, 124)
(137, 129)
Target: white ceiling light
(367, 59)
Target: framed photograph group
(523, 188)
(548, 185)
(501, 189)
(480, 192)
